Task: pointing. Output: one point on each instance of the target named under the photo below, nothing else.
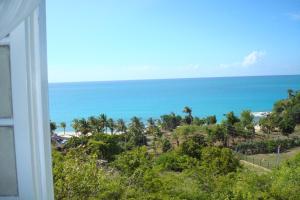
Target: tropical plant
(211, 120)
(189, 118)
(219, 160)
(192, 147)
(122, 128)
(63, 125)
(247, 118)
(103, 122)
(84, 127)
(198, 121)
(170, 122)
(75, 125)
(111, 125)
(129, 161)
(166, 145)
(53, 127)
(217, 133)
(136, 131)
(94, 124)
(287, 125)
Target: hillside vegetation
(181, 157)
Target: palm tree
(103, 122)
(121, 127)
(153, 130)
(151, 122)
(136, 129)
(187, 110)
(189, 118)
(53, 127)
(94, 124)
(75, 125)
(63, 125)
(111, 125)
(84, 127)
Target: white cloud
(251, 59)
(294, 16)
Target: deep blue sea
(152, 98)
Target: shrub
(129, 161)
(175, 162)
(74, 142)
(192, 146)
(166, 145)
(219, 160)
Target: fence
(260, 162)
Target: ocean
(153, 98)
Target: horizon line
(175, 78)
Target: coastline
(257, 116)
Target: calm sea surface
(152, 98)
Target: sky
(100, 40)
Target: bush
(192, 146)
(76, 176)
(175, 162)
(129, 161)
(286, 180)
(74, 142)
(219, 160)
(166, 145)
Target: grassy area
(270, 160)
(255, 168)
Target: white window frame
(29, 83)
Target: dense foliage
(177, 157)
(137, 175)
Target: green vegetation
(177, 157)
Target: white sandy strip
(67, 134)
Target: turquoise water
(152, 98)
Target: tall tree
(154, 131)
(287, 125)
(103, 122)
(247, 118)
(229, 123)
(84, 127)
(111, 125)
(170, 121)
(137, 131)
(189, 118)
(94, 124)
(53, 127)
(75, 125)
(122, 128)
(211, 120)
(63, 125)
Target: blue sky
(99, 40)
